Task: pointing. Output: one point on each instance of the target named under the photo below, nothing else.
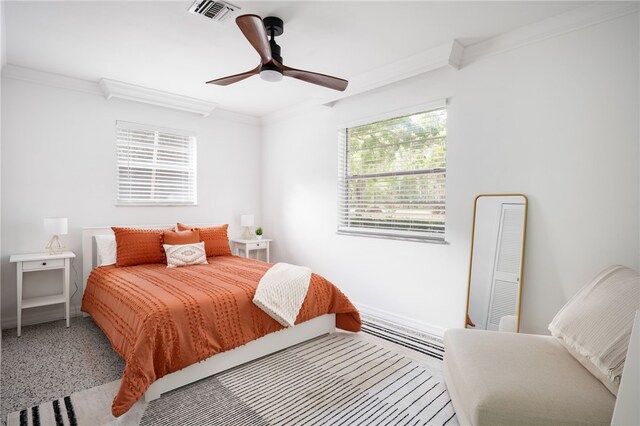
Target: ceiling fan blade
(253, 29)
(316, 78)
(225, 81)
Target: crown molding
(457, 56)
(50, 79)
(564, 23)
(28, 75)
(118, 89)
(446, 54)
(451, 54)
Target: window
(155, 166)
(392, 177)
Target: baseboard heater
(416, 340)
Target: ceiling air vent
(217, 10)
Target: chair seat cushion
(506, 379)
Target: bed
(176, 326)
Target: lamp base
(55, 246)
(246, 234)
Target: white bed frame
(255, 349)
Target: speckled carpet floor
(49, 361)
(339, 379)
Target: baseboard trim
(31, 318)
(415, 335)
(402, 323)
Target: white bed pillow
(185, 254)
(106, 249)
(595, 325)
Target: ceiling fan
(271, 67)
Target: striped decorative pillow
(185, 254)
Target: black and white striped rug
(427, 345)
(340, 379)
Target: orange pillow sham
(215, 238)
(136, 246)
(189, 236)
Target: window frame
(390, 234)
(131, 126)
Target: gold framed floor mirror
(496, 262)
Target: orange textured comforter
(161, 320)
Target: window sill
(393, 237)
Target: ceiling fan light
(271, 75)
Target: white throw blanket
(282, 291)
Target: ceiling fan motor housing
(271, 23)
(275, 28)
(270, 67)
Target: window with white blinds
(155, 166)
(392, 177)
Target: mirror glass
(495, 271)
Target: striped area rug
(50, 414)
(335, 380)
(414, 341)
(340, 379)
(89, 407)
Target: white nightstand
(250, 245)
(42, 262)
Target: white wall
(556, 120)
(58, 159)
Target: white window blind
(392, 177)
(155, 166)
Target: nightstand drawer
(253, 246)
(43, 264)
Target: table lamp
(246, 221)
(56, 226)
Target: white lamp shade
(55, 225)
(246, 220)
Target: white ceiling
(161, 46)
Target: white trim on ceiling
(451, 54)
(554, 26)
(132, 92)
(446, 54)
(50, 79)
(459, 56)
(15, 72)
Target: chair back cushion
(595, 325)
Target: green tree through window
(393, 176)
